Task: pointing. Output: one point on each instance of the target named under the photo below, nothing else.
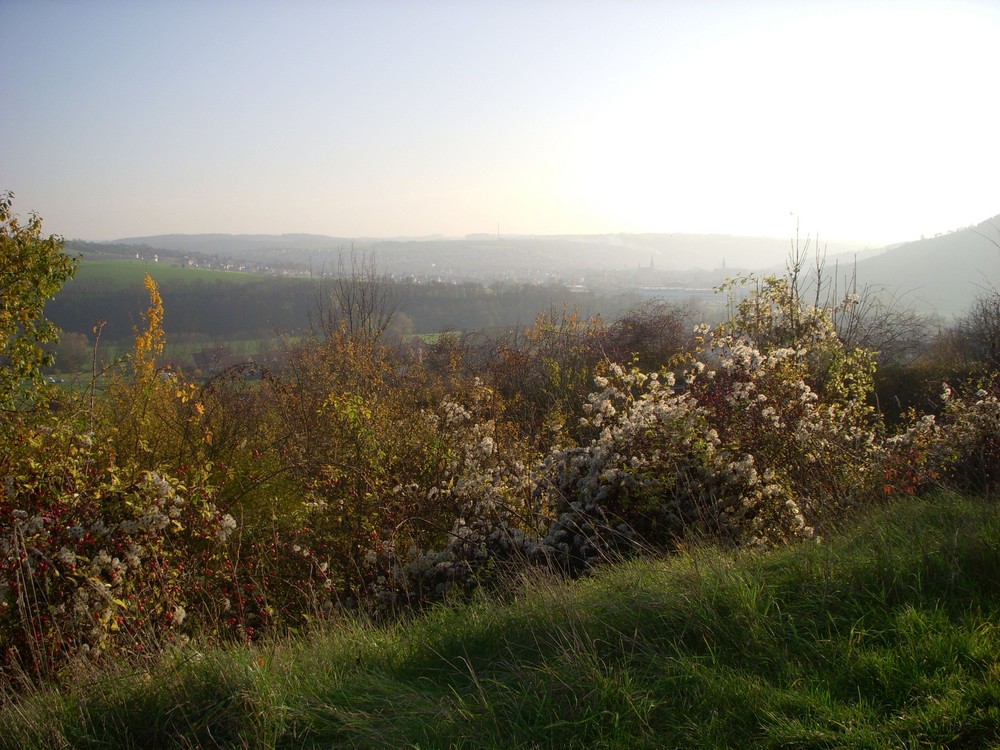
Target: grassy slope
(887, 636)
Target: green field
(125, 273)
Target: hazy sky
(872, 120)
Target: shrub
(32, 269)
(774, 440)
(960, 448)
(544, 371)
(650, 335)
(380, 456)
(658, 470)
(92, 562)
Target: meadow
(121, 274)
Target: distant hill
(229, 244)
(487, 257)
(942, 273)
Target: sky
(874, 121)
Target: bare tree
(873, 318)
(870, 317)
(358, 300)
(977, 333)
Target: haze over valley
(935, 275)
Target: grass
(885, 636)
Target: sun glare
(849, 122)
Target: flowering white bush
(656, 471)
(961, 447)
(767, 437)
(789, 391)
(770, 440)
(816, 451)
(91, 563)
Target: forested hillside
(218, 306)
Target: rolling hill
(942, 274)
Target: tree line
(226, 309)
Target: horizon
(868, 123)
